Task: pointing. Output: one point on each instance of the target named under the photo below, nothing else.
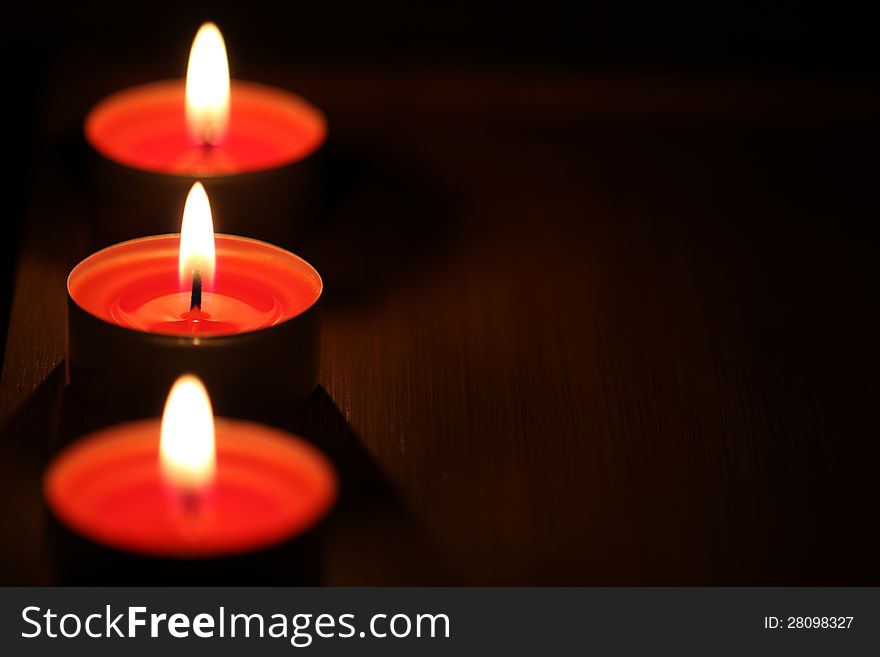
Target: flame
(207, 86)
(186, 449)
(197, 238)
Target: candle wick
(207, 141)
(191, 503)
(196, 298)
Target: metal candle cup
(270, 486)
(260, 171)
(256, 347)
(188, 498)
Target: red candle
(241, 138)
(145, 128)
(135, 285)
(190, 486)
(238, 312)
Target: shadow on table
(373, 537)
(27, 439)
(380, 220)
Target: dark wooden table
(579, 330)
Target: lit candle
(239, 313)
(190, 486)
(248, 142)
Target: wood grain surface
(578, 331)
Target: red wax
(136, 285)
(145, 128)
(269, 487)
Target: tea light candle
(239, 313)
(190, 486)
(249, 144)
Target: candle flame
(186, 449)
(197, 238)
(207, 86)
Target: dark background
(601, 276)
(738, 37)
(702, 41)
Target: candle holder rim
(329, 476)
(206, 340)
(218, 177)
(220, 421)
